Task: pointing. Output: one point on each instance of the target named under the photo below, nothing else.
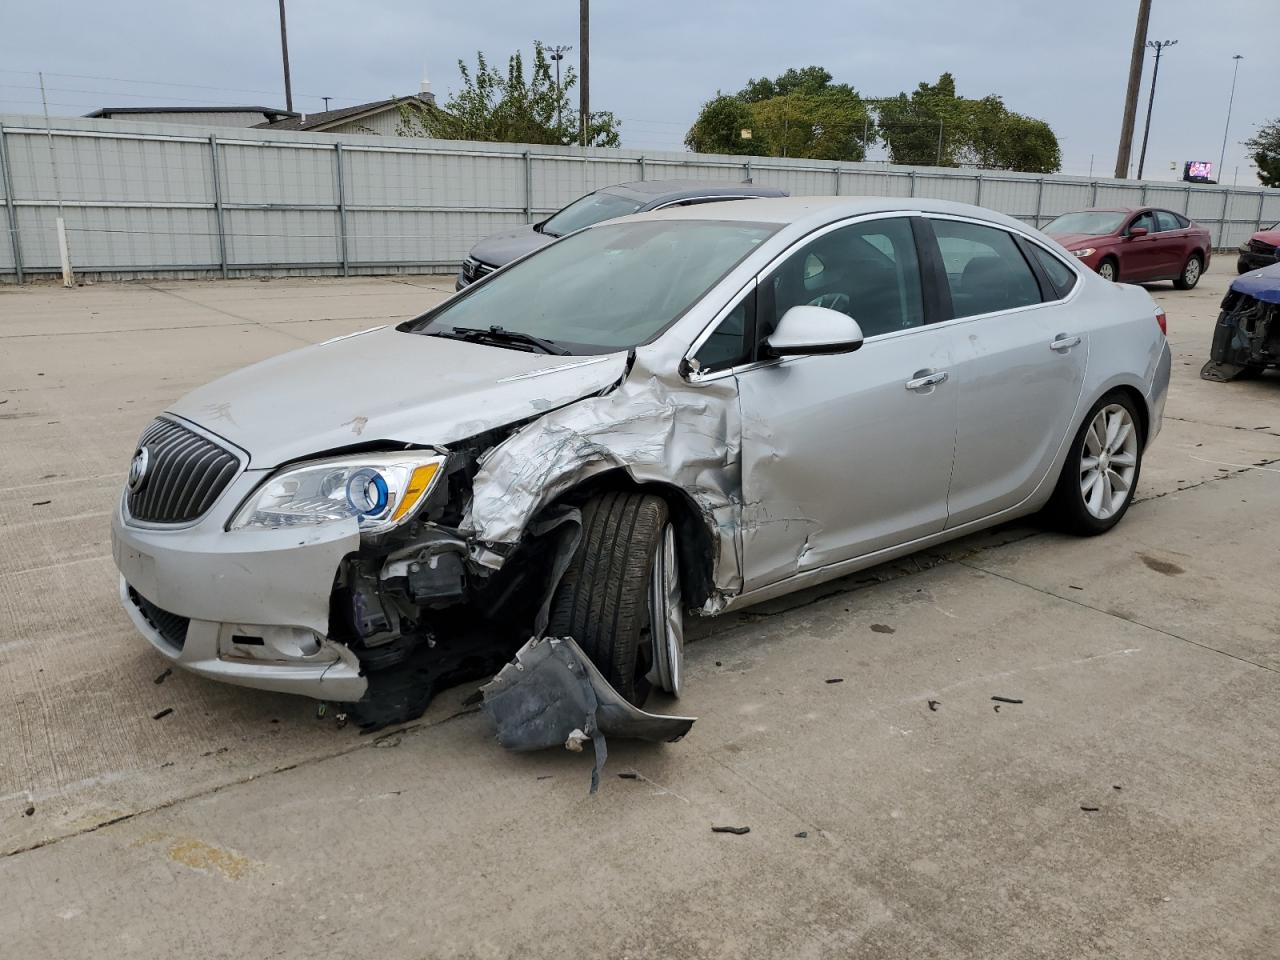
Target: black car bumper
(1254, 255)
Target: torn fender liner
(552, 695)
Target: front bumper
(1253, 260)
(256, 602)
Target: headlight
(377, 490)
(1086, 252)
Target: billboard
(1198, 171)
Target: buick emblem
(138, 469)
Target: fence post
(1262, 204)
(912, 175)
(13, 212)
(1142, 197)
(978, 200)
(642, 169)
(1222, 224)
(836, 171)
(1186, 203)
(1093, 197)
(748, 166)
(342, 210)
(217, 204)
(528, 185)
(1039, 200)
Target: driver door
(846, 454)
(1141, 254)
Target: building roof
(271, 113)
(328, 118)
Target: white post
(68, 278)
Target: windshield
(606, 289)
(1092, 223)
(592, 208)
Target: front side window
(588, 210)
(1093, 223)
(985, 269)
(1167, 221)
(1144, 220)
(867, 270)
(609, 288)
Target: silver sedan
(679, 412)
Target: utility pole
(1223, 157)
(326, 103)
(1131, 92)
(584, 67)
(1158, 46)
(284, 52)
(557, 54)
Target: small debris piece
(41, 503)
(168, 671)
(1116, 786)
(341, 719)
(628, 776)
(736, 831)
(275, 719)
(934, 704)
(167, 763)
(321, 710)
(162, 714)
(30, 811)
(802, 835)
(719, 664)
(392, 741)
(996, 708)
(1006, 700)
(1089, 809)
(1074, 587)
(836, 680)
(546, 776)
(882, 628)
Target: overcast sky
(655, 61)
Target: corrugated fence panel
(143, 194)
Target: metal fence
(152, 199)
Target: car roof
(650, 191)
(814, 211)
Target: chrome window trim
(687, 201)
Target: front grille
(1260, 247)
(170, 626)
(473, 270)
(183, 475)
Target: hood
(384, 385)
(1268, 236)
(1073, 240)
(501, 248)
(1261, 284)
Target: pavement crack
(1116, 616)
(226, 313)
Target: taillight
(1162, 320)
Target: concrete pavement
(241, 825)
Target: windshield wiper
(499, 335)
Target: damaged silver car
(680, 412)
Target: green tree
(719, 127)
(1264, 147)
(800, 113)
(509, 108)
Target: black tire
(1181, 281)
(1066, 509)
(1115, 267)
(603, 599)
(1242, 266)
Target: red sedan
(1137, 245)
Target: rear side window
(1167, 221)
(1183, 222)
(1062, 277)
(985, 269)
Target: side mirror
(1138, 232)
(808, 330)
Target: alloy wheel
(666, 614)
(1107, 271)
(1108, 461)
(1191, 272)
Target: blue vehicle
(1246, 339)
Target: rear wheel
(620, 598)
(1109, 270)
(1191, 271)
(1101, 473)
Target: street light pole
(1231, 100)
(557, 54)
(1158, 46)
(284, 52)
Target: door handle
(928, 380)
(1062, 342)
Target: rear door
(1172, 244)
(1020, 356)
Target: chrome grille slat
(185, 475)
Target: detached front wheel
(620, 598)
